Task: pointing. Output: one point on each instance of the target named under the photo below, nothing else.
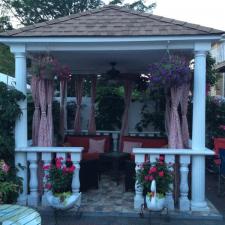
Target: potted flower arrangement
(10, 184)
(152, 175)
(58, 180)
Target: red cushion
(147, 142)
(218, 144)
(90, 156)
(83, 141)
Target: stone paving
(93, 204)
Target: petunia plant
(58, 176)
(158, 171)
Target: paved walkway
(211, 190)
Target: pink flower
(72, 168)
(161, 158)
(5, 168)
(146, 178)
(161, 173)
(48, 186)
(58, 164)
(46, 167)
(152, 170)
(150, 178)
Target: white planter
(68, 203)
(155, 205)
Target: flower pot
(155, 203)
(67, 203)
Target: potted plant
(58, 180)
(10, 184)
(156, 179)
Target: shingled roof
(111, 21)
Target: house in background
(218, 52)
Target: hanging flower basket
(171, 72)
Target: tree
(30, 12)
(6, 57)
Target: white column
(184, 202)
(21, 124)
(46, 158)
(33, 196)
(138, 197)
(198, 202)
(170, 159)
(76, 157)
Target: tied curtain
(36, 115)
(127, 100)
(63, 84)
(78, 93)
(184, 110)
(91, 124)
(45, 134)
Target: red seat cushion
(83, 141)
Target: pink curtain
(78, 92)
(50, 91)
(91, 124)
(43, 134)
(36, 115)
(184, 109)
(62, 113)
(175, 138)
(167, 113)
(127, 100)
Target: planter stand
(164, 212)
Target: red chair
(219, 160)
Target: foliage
(49, 68)
(58, 176)
(10, 184)
(211, 75)
(170, 72)
(215, 119)
(9, 113)
(110, 107)
(155, 117)
(30, 12)
(158, 171)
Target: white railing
(41, 156)
(116, 135)
(185, 157)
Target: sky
(210, 13)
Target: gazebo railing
(34, 192)
(116, 135)
(185, 158)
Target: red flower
(72, 168)
(161, 173)
(152, 170)
(58, 164)
(150, 178)
(46, 167)
(161, 158)
(48, 186)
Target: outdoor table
(116, 158)
(15, 214)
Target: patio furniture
(88, 174)
(117, 160)
(15, 214)
(84, 141)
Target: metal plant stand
(164, 212)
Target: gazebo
(87, 42)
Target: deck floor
(109, 197)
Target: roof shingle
(111, 21)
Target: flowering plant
(10, 184)
(158, 171)
(171, 72)
(58, 177)
(49, 68)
